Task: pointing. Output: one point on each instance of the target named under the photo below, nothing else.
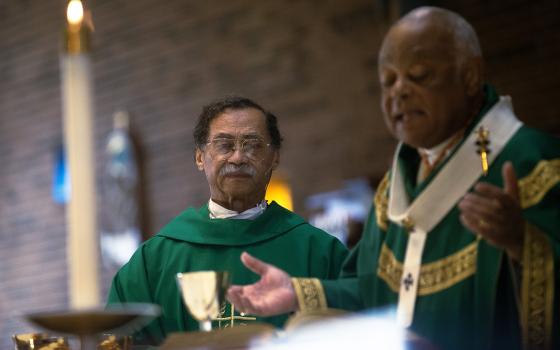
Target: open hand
(273, 294)
(495, 213)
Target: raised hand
(495, 213)
(273, 294)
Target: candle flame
(75, 12)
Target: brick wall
(311, 62)
(521, 43)
(32, 238)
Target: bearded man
(237, 147)
(466, 252)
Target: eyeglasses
(252, 148)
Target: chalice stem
(88, 342)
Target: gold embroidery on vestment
(309, 293)
(537, 291)
(533, 187)
(381, 202)
(434, 276)
(229, 322)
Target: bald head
(445, 25)
(431, 75)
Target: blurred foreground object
(43, 341)
(112, 342)
(118, 319)
(39, 341)
(302, 319)
(229, 338)
(327, 330)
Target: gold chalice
(203, 293)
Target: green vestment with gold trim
(470, 295)
(194, 242)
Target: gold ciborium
(203, 294)
(39, 341)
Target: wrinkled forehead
(239, 123)
(417, 40)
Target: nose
(401, 89)
(237, 156)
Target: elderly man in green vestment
(237, 147)
(464, 235)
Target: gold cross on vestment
(230, 321)
(483, 149)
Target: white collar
(433, 153)
(219, 212)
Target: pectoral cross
(408, 224)
(408, 281)
(482, 142)
(230, 321)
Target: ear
(199, 159)
(473, 76)
(275, 160)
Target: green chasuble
(470, 295)
(194, 242)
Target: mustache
(234, 168)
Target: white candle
(82, 242)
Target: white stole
(444, 191)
